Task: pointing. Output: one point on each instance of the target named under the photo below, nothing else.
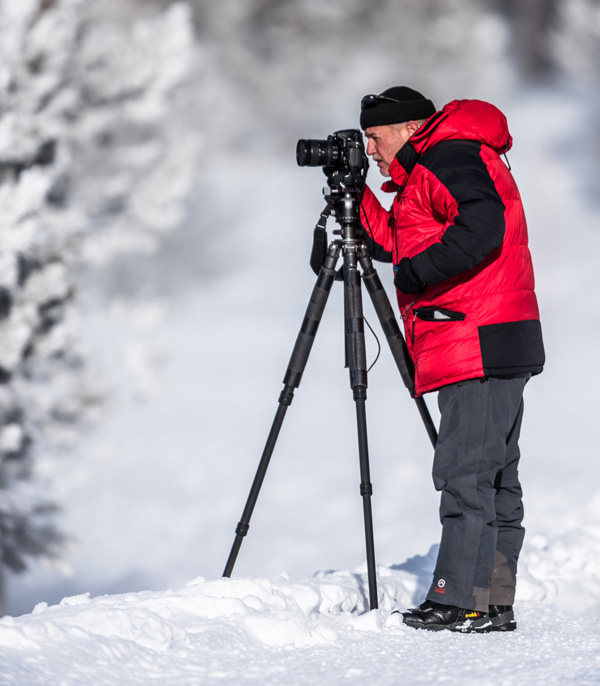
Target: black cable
(378, 344)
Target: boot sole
(480, 626)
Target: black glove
(405, 278)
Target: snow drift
(319, 630)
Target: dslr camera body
(342, 156)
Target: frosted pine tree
(90, 167)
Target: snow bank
(564, 565)
(111, 639)
(318, 631)
(280, 631)
(273, 612)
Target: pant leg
(477, 417)
(509, 517)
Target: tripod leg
(356, 360)
(396, 341)
(293, 375)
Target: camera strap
(320, 240)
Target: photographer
(457, 236)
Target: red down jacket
(458, 229)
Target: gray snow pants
(475, 468)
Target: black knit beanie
(397, 105)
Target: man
(457, 236)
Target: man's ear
(412, 126)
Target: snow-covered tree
(88, 171)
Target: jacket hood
(472, 120)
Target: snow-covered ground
(155, 499)
(284, 631)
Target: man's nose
(370, 147)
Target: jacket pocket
(438, 314)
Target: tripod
(345, 206)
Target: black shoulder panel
(478, 228)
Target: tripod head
(345, 207)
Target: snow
(284, 631)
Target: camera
(342, 156)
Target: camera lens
(317, 153)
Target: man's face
(385, 141)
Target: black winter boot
(435, 617)
(503, 618)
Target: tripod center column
(347, 216)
